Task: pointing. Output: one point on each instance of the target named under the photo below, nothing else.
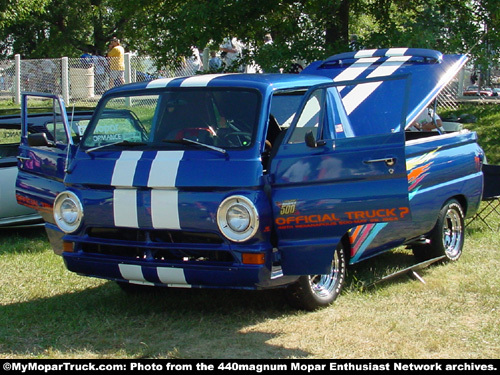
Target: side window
(55, 126)
(285, 105)
(44, 115)
(339, 123)
(80, 126)
(57, 132)
(310, 118)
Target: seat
(179, 121)
(490, 208)
(274, 129)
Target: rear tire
(311, 292)
(447, 237)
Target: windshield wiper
(185, 141)
(120, 143)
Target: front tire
(311, 292)
(447, 237)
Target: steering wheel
(238, 138)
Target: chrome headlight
(68, 212)
(237, 218)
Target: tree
(314, 29)
(301, 29)
(55, 28)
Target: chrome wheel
(453, 232)
(324, 285)
(311, 292)
(447, 237)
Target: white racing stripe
(167, 275)
(165, 209)
(164, 168)
(125, 208)
(391, 52)
(356, 69)
(365, 53)
(172, 277)
(364, 60)
(362, 91)
(161, 82)
(133, 274)
(199, 80)
(124, 171)
(164, 195)
(193, 81)
(125, 196)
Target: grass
(49, 312)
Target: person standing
(116, 55)
(215, 63)
(231, 53)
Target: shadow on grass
(164, 323)
(104, 321)
(364, 275)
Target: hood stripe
(124, 171)
(162, 175)
(164, 195)
(164, 169)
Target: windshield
(224, 118)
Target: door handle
(388, 161)
(22, 158)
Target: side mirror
(311, 141)
(39, 139)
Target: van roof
(263, 82)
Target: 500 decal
(287, 207)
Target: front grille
(156, 245)
(160, 255)
(155, 236)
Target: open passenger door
(331, 173)
(342, 162)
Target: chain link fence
(78, 80)
(83, 80)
